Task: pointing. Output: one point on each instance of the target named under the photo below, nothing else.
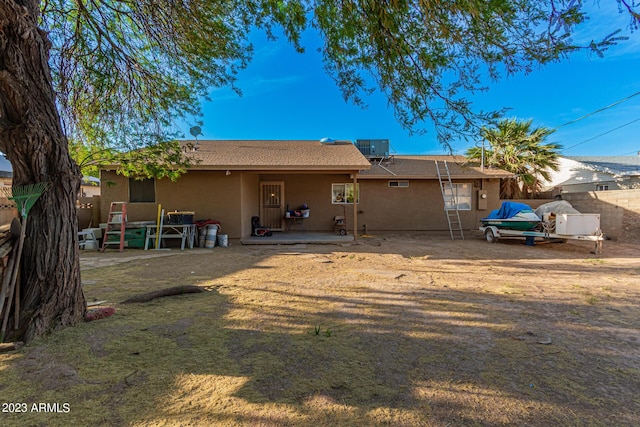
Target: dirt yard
(398, 330)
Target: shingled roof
(275, 155)
(617, 166)
(580, 170)
(424, 167)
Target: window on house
(344, 194)
(142, 190)
(399, 184)
(461, 197)
(602, 187)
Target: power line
(600, 110)
(630, 152)
(602, 134)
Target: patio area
(296, 237)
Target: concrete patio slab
(298, 237)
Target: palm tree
(517, 148)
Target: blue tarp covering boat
(512, 215)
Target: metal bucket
(202, 236)
(223, 240)
(210, 239)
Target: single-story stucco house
(232, 181)
(577, 174)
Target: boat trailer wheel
(489, 236)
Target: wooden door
(272, 204)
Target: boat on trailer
(512, 216)
(554, 226)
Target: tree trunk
(32, 138)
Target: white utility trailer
(585, 227)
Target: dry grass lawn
(397, 330)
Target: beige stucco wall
(250, 200)
(211, 195)
(619, 211)
(233, 199)
(315, 191)
(492, 187)
(115, 188)
(418, 207)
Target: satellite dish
(195, 131)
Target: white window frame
(462, 197)
(342, 193)
(398, 184)
(602, 187)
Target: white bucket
(210, 240)
(223, 240)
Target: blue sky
(287, 95)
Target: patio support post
(356, 199)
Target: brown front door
(272, 204)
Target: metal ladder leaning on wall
(116, 225)
(449, 199)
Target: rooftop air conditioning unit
(373, 148)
